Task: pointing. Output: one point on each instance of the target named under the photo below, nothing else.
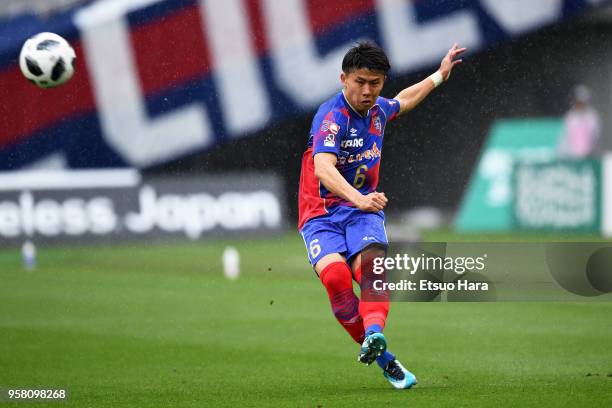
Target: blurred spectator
(581, 130)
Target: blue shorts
(344, 230)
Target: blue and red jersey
(357, 142)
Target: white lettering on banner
(192, 214)
(197, 213)
(516, 16)
(10, 223)
(301, 72)
(140, 140)
(244, 100)
(49, 217)
(26, 202)
(496, 167)
(412, 45)
(102, 215)
(557, 196)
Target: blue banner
(156, 80)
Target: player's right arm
(328, 174)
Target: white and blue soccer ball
(47, 60)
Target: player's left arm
(410, 97)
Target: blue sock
(384, 359)
(374, 328)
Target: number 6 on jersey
(360, 176)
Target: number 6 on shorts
(315, 248)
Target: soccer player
(341, 214)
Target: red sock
(337, 279)
(372, 312)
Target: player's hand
(372, 202)
(449, 61)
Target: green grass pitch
(159, 326)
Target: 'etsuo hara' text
(427, 285)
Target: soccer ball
(47, 60)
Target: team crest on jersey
(377, 124)
(330, 140)
(334, 128)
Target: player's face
(362, 87)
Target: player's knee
(328, 260)
(337, 277)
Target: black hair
(366, 55)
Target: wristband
(437, 78)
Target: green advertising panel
(488, 202)
(562, 195)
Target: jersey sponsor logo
(369, 154)
(334, 128)
(352, 143)
(392, 103)
(330, 140)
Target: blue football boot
(398, 376)
(373, 346)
